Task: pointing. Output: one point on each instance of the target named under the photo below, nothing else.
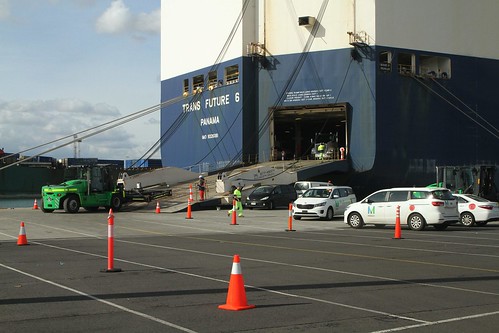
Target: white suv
(323, 202)
(419, 206)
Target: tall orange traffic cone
(189, 210)
(398, 231)
(35, 205)
(234, 214)
(191, 196)
(290, 218)
(21, 239)
(158, 209)
(236, 296)
(110, 244)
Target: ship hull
(395, 127)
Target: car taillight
(486, 207)
(437, 203)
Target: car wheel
(329, 214)
(416, 222)
(355, 220)
(45, 210)
(71, 204)
(297, 217)
(116, 202)
(467, 219)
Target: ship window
(197, 83)
(385, 57)
(232, 74)
(212, 80)
(385, 61)
(436, 67)
(186, 86)
(406, 63)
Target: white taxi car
(476, 210)
(419, 206)
(323, 202)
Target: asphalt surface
(323, 277)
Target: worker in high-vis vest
(239, 203)
(320, 149)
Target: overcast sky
(68, 65)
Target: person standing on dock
(320, 149)
(239, 204)
(201, 187)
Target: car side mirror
(336, 196)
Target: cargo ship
(396, 88)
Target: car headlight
(264, 198)
(320, 204)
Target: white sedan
(476, 210)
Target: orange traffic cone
(398, 229)
(191, 196)
(158, 209)
(21, 239)
(236, 296)
(290, 218)
(234, 214)
(189, 210)
(35, 205)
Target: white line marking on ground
(402, 328)
(378, 246)
(122, 308)
(270, 262)
(422, 322)
(316, 268)
(226, 282)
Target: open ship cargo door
(298, 130)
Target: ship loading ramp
(162, 176)
(219, 185)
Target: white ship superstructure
(399, 86)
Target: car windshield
(443, 195)
(263, 190)
(317, 193)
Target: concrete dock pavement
(175, 273)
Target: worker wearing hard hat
(201, 187)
